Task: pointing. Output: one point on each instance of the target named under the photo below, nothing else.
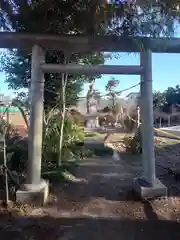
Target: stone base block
(150, 192)
(33, 194)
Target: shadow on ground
(99, 178)
(102, 205)
(46, 228)
(167, 168)
(113, 181)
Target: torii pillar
(35, 188)
(148, 185)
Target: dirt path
(99, 206)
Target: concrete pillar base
(31, 193)
(149, 192)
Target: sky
(166, 73)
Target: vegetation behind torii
(165, 100)
(78, 18)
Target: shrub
(129, 124)
(73, 134)
(17, 148)
(134, 144)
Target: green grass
(63, 173)
(91, 134)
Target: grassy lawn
(91, 134)
(65, 172)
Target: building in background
(12, 115)
(4, 100)
(133, 97)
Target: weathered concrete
(35, 189)
(33, 193)
(36, 117)
(147, 118)
(89, 44)
(150, 192)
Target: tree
(166, 99)
(73, 17)
(17, 69)
(91, 17)
(110, 88)
(60, 90)
(159, 100)
(117, 111)
(173, 95)
(97, 96)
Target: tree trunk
(63, 92)
(113, 102)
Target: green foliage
(173, 95)
(4, 127)
(91, 134)
(29, 18)
(134, 144)
(19, 77)
(164, 100)
(76, 117)
(111, 85)
(78, 18)
(159, 100)
(111, 89)
(17, 148)
(63, 173)
(72, 135)
(89, 17)
(129, 124)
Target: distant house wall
(133, 100)
(16, 119)
(17, 122)
(13, 114)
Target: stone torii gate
(35, 186)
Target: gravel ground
(102, 205)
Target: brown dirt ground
(101, 204)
